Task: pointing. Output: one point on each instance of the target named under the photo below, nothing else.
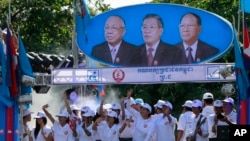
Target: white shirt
(185, 124)
(207, 110)
(203, 127)
(165, 131)
(129, 130)
(47, 130)
(193, 46)
(62, 133)
(143, 127)
(82, 135)
(24, 129)
(108, 134)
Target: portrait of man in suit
(194, 50)
(115, 50)
(155, 52)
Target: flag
(245, 6)
(11, 65)
(246, 45)
(24, 67)
(242, 84)
(4, 89)
(82, 18)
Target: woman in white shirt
(61, 128)
(41, 132)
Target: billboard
(153, 35)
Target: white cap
(112, 114)
(116, 106)
(159, 103)
(146, 106)
(63, 114)
(40, 114)
(197, 103)
(74, 107)
(89, 113)
(208, 96)
(218, 103)
(168, 104)
(26, 112)
(188, 103)
(229, 100)
(85, 108)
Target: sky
(120, 3)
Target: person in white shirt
(25, 128)
(185, 121)
(200, 124)
(84, 131)
(213, 119)
(208, 107)
(158, 106)
(108, 129)
(61, 128)
(166, 124)
(41, 132)
(230, 116)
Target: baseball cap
(89, 113)
(26, 112)
(197, 103)
(229, 100)
(116, 106)
(146, 106)
(63, 114)
(74, 107)
(112, 114)
(40, 114)
(208, 96)
(85, 108)
(188, 103)
(159, 103)
(218, 103)
(168, 104)
(139, 101)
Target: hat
(159, 104)
(146, 106)
(4, 31)
(63, 114)
(26, 112)
(74, 107)
(112, 114)
(229, 100)
(85, 108)
(168, 104)
(40, 114)
(89, 113)
(188, 104)
(139, 101)
(197, 103)
(208, 96)
(116, 106)
(218, 103)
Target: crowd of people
(131, 119)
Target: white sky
(120, 3)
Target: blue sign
(177, 34)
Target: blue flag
(24, 67)
(4, 89)
(245, 6)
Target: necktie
(190, 58)
(113, 54)
(150, 56)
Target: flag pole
(9, 19)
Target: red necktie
(150, 56)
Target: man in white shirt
(207, 101)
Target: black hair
(157, 17)
(37, 128)
(116, 120)
(209, 101)
(195, 15)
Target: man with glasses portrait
(194, 49)
(115, 50)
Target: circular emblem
(118, 75)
